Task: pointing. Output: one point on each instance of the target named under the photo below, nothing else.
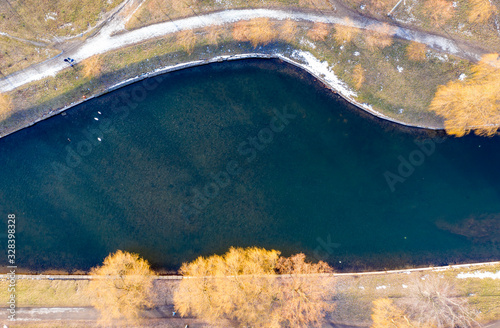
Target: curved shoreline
(303, 66)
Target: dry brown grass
(379, 37)
(345, 33)
(92, 66)
(257, 31)
(317, 4)
(415, 51)
(473, 104)
(387, 314)
(439, 11)
(42, 19)
(358, 76)
(288, 30)
(481, 11)
(213, 34)
(319, 32)
(381, 6)
(5, 106)
(187, 40)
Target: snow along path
(107, 39)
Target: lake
(247, 153)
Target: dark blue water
(241, 154)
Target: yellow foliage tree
(187, 40)
(379, 37)
(416, 51)
(243, 285)
(472, 104)
(385, 314)
(358, 76)
(5, 106)
(121, 287)
(288, 30)
(319, 32)
(439, 11)
(481, 11)
(257, 31)
(305, 296)
(92, 66)
(345, 32)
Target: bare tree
(433, 301)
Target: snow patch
(480, 275)
(400, 69)
(319, 68)
(307, 43)
(50, 16)
(462, 77)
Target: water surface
(243, 154)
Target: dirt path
(89, 314)
(112, 35)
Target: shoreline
(320, 75)
(178, 277)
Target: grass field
(46, 20)
(416, 14)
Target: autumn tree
(121, 287)
(187, 40)
(257, 31)
(319, 32)
(288, 30)
(379, 36)
(5, 106)
(474, 103)
(439, 11)
(432, 301)
(243, 285)
(345, 32)
(92, 66)
(358, 76)
(481, 11)
(304, 293)
(386, 314)
(415, 51)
